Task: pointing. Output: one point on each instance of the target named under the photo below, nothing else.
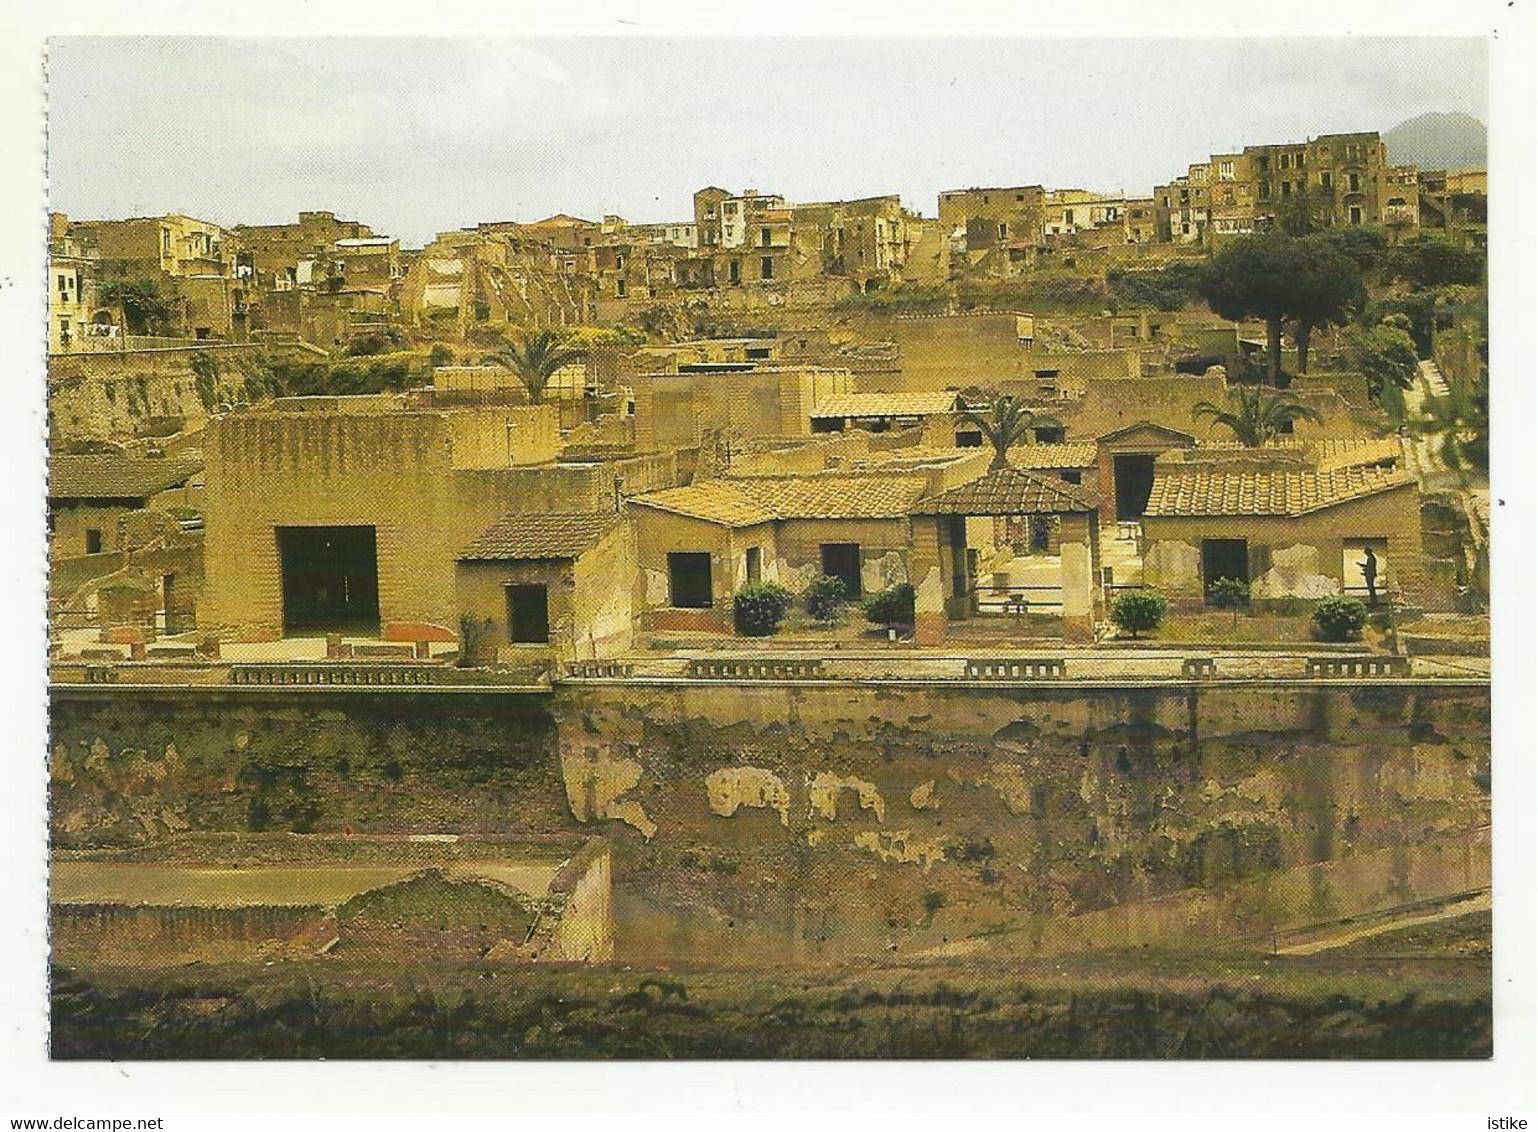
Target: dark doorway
(528, 615)
(842, 560)
(1134, 473)
(1224, 558)
(755, 564)
(1041, 534)
(689, 580)
(330, 578)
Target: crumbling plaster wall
(773, 823)
(846, 804)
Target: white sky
(416, 136)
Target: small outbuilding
(90, 496)
(548, 585)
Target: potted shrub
(1139, 611)
(891, 607)
(759, 607)
(1340, 618)
(825, 598)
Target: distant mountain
(1438, 141)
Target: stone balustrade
(599, 670)
(383, 675)
(1017, 668)
(755, 669)
(1351, 666)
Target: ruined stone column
(1078, 533)
(930, 581)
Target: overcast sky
(418, 136)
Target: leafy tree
(1005, 424)
(440, 355)
(1276, 278)
(1230, 593)
(1364, 246)
(1340, 618)
(825, 597)
(759, 607)
(1430, 260)
(1385, 355)
(1337, 290)
(1418, 308)
(535, 358)
(1139, 611)
(1301, 214)
(1256, 414)
(145, 309)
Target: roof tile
(914, 404)
(539, 534)
(748, 501)
(1011, 491)
(1265, 493)
(117, 477)
(1054, 456)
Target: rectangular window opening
(689, 580)
(528, 614)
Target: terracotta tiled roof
(556, 534)
(715, 501)
(117, 477)
(839, 496)
(1054, 456)
(1265, 493)
(1011, 491)
(1326, 453)
(886, 404)
(748, 501)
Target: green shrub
(440, 355)
(759, 607)
(1340, 618)
(825, 597)
(1138, 611)
(892, 606)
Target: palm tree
(1005, 424)
(1255, 414)
(535, 358)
